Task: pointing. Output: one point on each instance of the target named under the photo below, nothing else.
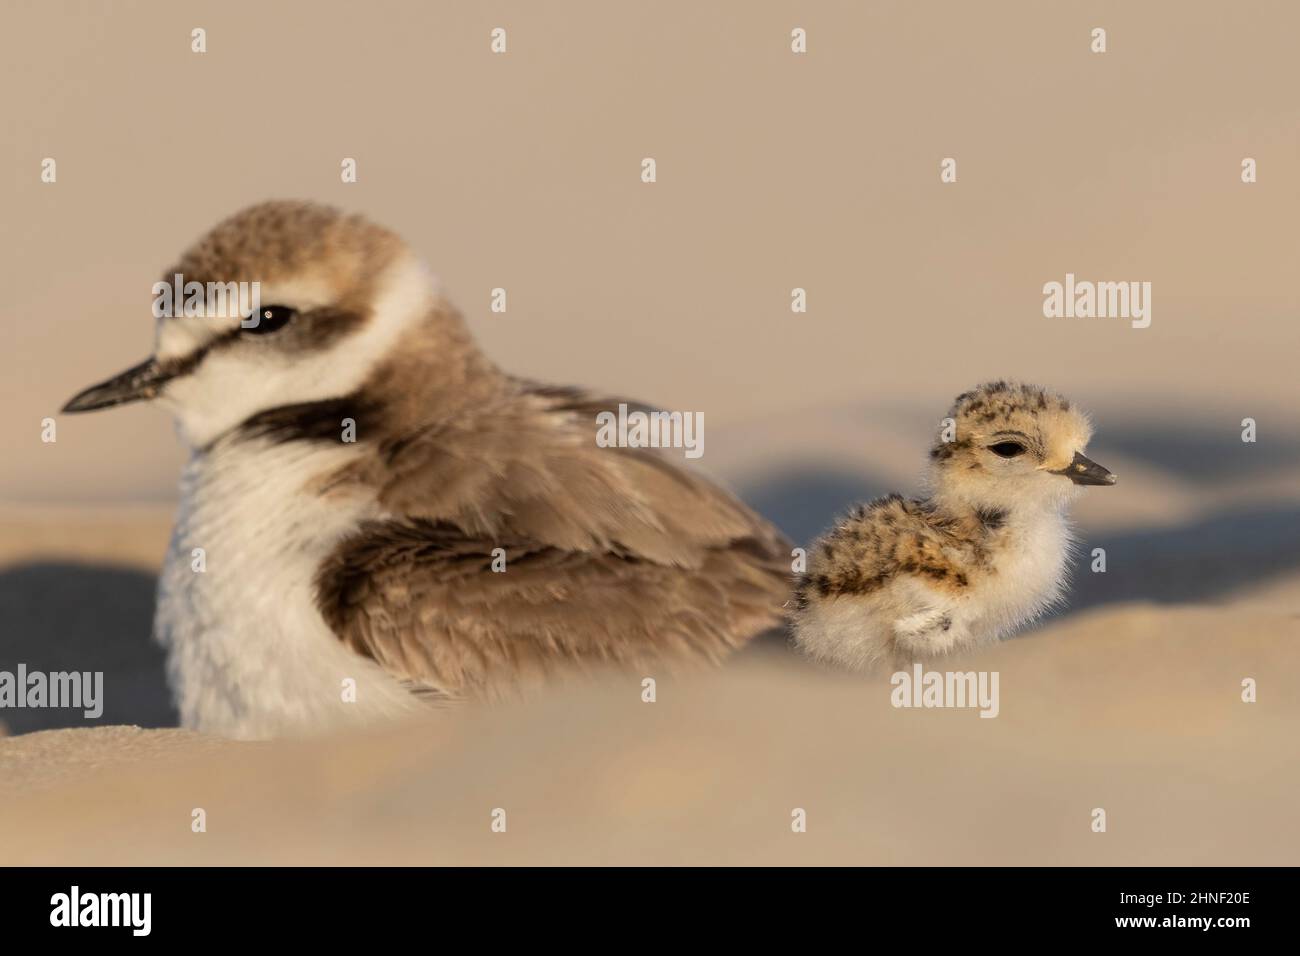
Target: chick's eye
(1007, 449)
(267, 319)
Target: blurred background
(774, 171)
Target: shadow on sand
(73, 617)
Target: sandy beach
(1097, 712)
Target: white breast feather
(249, 654)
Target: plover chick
(465, 536)
(902, 580)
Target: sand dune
(1135, 709)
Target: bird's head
(1007, 446)
(284, 303)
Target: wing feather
(611, 555)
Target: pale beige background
(775, 171)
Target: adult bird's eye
(267, 319)
(1007, 449)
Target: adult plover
(901, 580)
(472, 537)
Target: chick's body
(899, 580)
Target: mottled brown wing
(877, 543)
(612, 555)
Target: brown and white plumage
(899, 580)
(331, 561)
(612, 555)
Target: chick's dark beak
(1084, 471)
(139, 382)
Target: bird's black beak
(1085, 471)
(137, 383)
